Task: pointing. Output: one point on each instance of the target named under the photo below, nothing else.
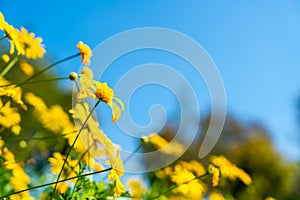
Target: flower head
(85, 53)
(13, 35)
(106, 94)
(94, 89)
(15, 93)
(230, 170)
(9, 117)
(32, 46)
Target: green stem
(47, 184)
(130, 156)
(10, 64)
(45, 80)
(30, 138)
(49, 67)
(69, 151)
(5, 36)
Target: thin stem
(45, 80)
(49, 67)
(47, 184)
(9, 65)
(31, 138)
(130, 155)
(5, 36)
(69, 151)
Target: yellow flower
(215, 175)
(101, 91)
(33, 47)
(192, 190)
(230, 170)
(70, 169)
(270, 198)
(15, 93)
(160, 143)
(26, 68)
(181, 175)
(13, 35)
(194, 166)
(5, 58)
(9, 157)
(85, 53)
(20, 181)
(9, 117)
(96, 138)
(119, 187)
(87, 84)
(1, 145)
(54, 118)
(106, 94)
(136, 189)
(216, 195)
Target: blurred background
(255, 46)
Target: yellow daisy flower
(9, 117)
(13, 35)
(94, 89)
(33, 47)
(85, 53)
(106, 94)
(15, 93)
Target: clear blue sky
(255, 44)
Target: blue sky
(255, 45)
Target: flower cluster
(84, 143)
(24, 42)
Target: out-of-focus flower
(33, 47)
(13, 35)
(15, 93)
(173, 148)
(192, 190)
(26, 68)
(194, 166)
(5, 58)
(85, 53)
(19, 179)
(136, 188)
(181, 175)
(1, 145)
(54, 118)
(215, 172)
(9, 117)
(270, 198)
(216, 195)
(230, 170)
(9, 157)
